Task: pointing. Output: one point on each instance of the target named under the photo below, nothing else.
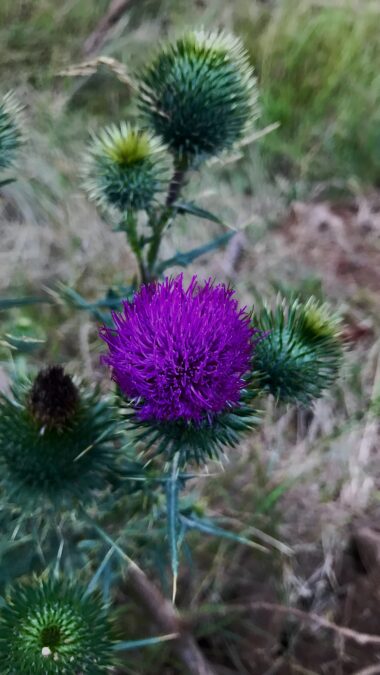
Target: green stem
(172, 494)
(167, 215)
(158, 228)
(130, 228)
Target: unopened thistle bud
(10, 131)
(54, 628)
(302, 353)
(126, 168)
(182, 358)
(56, 441)
(199, 94)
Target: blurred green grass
(317, 65)
(318, 70)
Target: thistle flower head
(126, 168)
(56, 441)
(181, 354)
(51, 628)
(302, 354)
(199, 94)
(10, 132)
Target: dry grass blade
(88, 68)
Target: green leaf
(194, 210)
(22, 343)
(184, 259)
(94, 581)
(271, 499)
(9, 303)
(6, 181)
(208, 527)
(78, 301)
(146, 642)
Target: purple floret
(180, 354)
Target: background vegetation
(303, 199)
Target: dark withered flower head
(303, 351)
(54, 628)
(53, 398)
(57, 440)
(126, 168)
(199, 94)
(182, 356)
(10, 130)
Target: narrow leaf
(184, 259)
(9, 303)
(94, 581)
(6, 181)
(147, 642)
(194, 210)
(207, 527)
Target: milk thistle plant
(191, 367)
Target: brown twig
(99, 35)
(168, 620)
(310, 617)
(360, 638)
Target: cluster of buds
(197, 99)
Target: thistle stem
(167, 216)
(172, 493)
(162, 612)
(130, 223)
(176, 185)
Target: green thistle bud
(302, 353)
(199, 94)
(10, 133)
(54, 628)
(126, 168)
(56, 441)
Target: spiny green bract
(199, 95)
(302, 353)
(126, 168)
(54, 628)
(10, 133)
(56, 442)
(198, 442)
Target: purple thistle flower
(180, 354)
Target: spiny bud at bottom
(51, 628)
